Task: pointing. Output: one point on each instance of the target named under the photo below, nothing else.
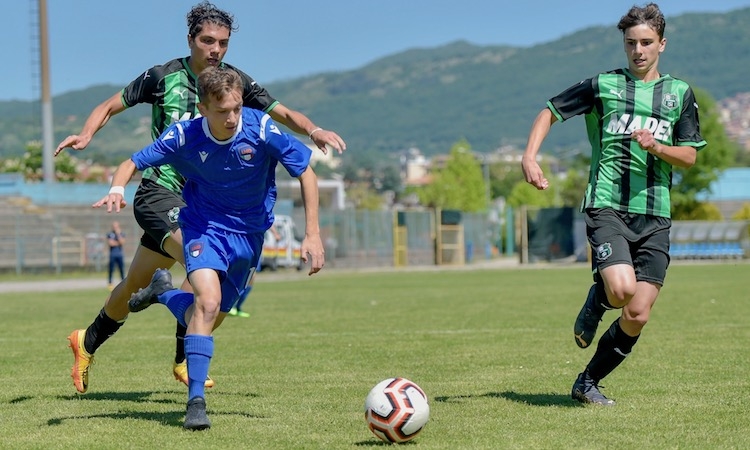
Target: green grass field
(493, 350)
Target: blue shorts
(234, 256)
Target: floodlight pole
(48, 163)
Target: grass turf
(493, 350)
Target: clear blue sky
(111, 42)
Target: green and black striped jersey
(623, 176)
(172, 91)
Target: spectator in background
(115, 240)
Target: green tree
(743, 213)
(459, 185)
(503, 176)
(712, 160)
(572, 188)
(703, 211)
(364, 198)
(524, 194)
(31, 164)
(390, 179)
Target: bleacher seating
(709, 240)
(36, 238)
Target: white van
(284, 252)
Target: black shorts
(156, 210)
(639, 240)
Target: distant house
(730, 191)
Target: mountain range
(431, 98)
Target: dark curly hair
(207, 12)
(649, 15)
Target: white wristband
(117, 190)
(313, 131)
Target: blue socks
(198, 350)
(177, 301)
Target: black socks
(99, 331)
(179, 352)
(614, 346)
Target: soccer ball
(396, 410)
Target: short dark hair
(649, 14)
(207, 12)
(217, 82)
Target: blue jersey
(230, 184)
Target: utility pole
(48, 163)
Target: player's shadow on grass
(172, 418)
(142, 397)
(131, 396)
(527, 399)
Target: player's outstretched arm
(96, 120)
(312, 246)
(299, 123)
(115, 197)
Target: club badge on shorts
(195, 249)
(173, 215)
(604, 251)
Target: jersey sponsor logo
(247, 153)
(626, 124)
(173, 214)
(196, 248)
(203, 154)
(176, 117)
(669, 101)
(604, 251)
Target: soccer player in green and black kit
(171, 89)
(640, 123)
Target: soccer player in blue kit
(228, 158)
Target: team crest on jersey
(669, 101)
(196, 248)
(173, 214)
(247, 153)
(604, 251)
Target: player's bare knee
(634, 318)
(208, 307)
(621, 294)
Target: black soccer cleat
(588, 320)
(195, 417)
(586, 390)
(161, 282)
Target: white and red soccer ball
(396, 410)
